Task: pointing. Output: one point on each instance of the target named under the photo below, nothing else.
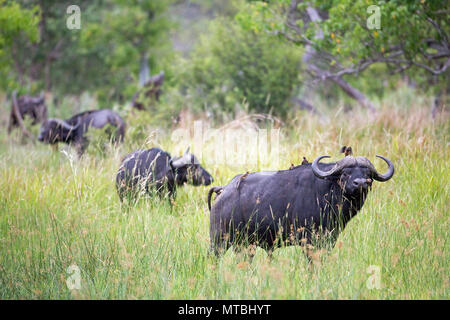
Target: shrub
(234, 65)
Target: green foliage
(102, 141)
(138, 126)
(15, 22)
(234, 65)
(143, 126)
(123, 34)
(403, 23)
(407, 39)
(103, 57)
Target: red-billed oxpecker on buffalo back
(145, 171)
(291, 207)
(72, 131)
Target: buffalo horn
(351, 161)
(388, 174)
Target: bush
(101, 141)
(234, 65)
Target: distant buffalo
(72, 131)
(291, 207)
(27, 106)
(156, 170)
(149, 93)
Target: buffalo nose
(360, 183)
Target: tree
(102, 57)
(342, 37)
(15, 22)
(232, 65)
(408, 34)
(126, 36)
(53, 61)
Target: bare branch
(395, 55)
(438, 28)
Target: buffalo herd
(268, 209)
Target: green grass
(55, 212)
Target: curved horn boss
(350, 161)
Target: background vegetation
(224, 62)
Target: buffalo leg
(218, 247)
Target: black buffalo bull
(289, 207)
(156, 170)
(72, 131)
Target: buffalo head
(188, 169)
(355, 174)
(56, 130)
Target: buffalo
(291, 207)
(73, 131)
(27, 106)
(150, 92)
(156, 170)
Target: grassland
(56, 210)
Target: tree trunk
(47, 76)
(144, 70)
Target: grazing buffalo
(290, 207)
(73, 130)
(27, 106)
(157, 170)
(151, 92)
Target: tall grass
(56, 210)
